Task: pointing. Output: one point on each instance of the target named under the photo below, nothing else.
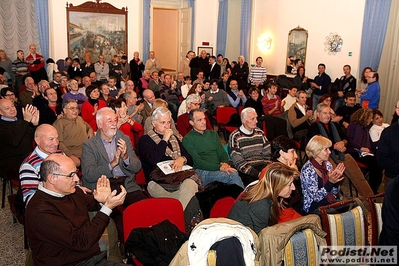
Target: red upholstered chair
(223, 115)
(146, 213)
(222, 207)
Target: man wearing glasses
(72, 131)
(59, 206)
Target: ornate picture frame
(296, 47)
(96, 28)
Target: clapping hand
(336, 175)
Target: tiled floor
(12, 250)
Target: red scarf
(322, 169)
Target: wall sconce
(264, 42)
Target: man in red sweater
(36, 65)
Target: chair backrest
(222, 207)
(148, 212)
(223, 114)
(375, 206)
(348, 228)
(301, 249)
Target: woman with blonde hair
(319, 181)
(261, 204)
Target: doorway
(171, 32)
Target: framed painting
(296, 49)
(96, 28)
(209, 50)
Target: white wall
(233, 30)
(206, 17)
(58, 28)
(319, 18)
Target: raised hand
(103, 189)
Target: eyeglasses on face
(70, 175)
(72, 108)
(10, 94)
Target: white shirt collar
(216, 91)
(50, 192)
(246, 131)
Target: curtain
(245, 28)
(146, 29)
(222, 27)
(388, 69)
(43, 26)
(376, 14)
(191, 3)
(18, 27)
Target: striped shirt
(29, 173)
(257, 74)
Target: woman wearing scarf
(319, 181)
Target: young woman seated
(261, 205)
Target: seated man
(215, 98)
(326, 128)
(236, 97)
(272, 104)
(32, 90)
(209, 157)
(300, 116)
(52, 109)
(170, 93)
(290, 99)
(110, 153)
(249, 148)
(16, 136)
(348, 109)
(149, 99)
(59, 206)
(72, 131)
(193, 101)
(46, 138)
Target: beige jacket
(273, 239)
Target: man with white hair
(110, 153)
(240, 73)
(249, 148)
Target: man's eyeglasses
(9, 95)
(70, 175)
(72, 108)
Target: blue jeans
(315, 101)
(210, 176)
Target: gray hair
(69, 84)
(100, 114)
(321, 106)
(192, 98)
(160, 111)
(245, 111)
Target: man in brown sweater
(57, 205)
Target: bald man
(57, 205)
(16, 136)
(46, 138)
